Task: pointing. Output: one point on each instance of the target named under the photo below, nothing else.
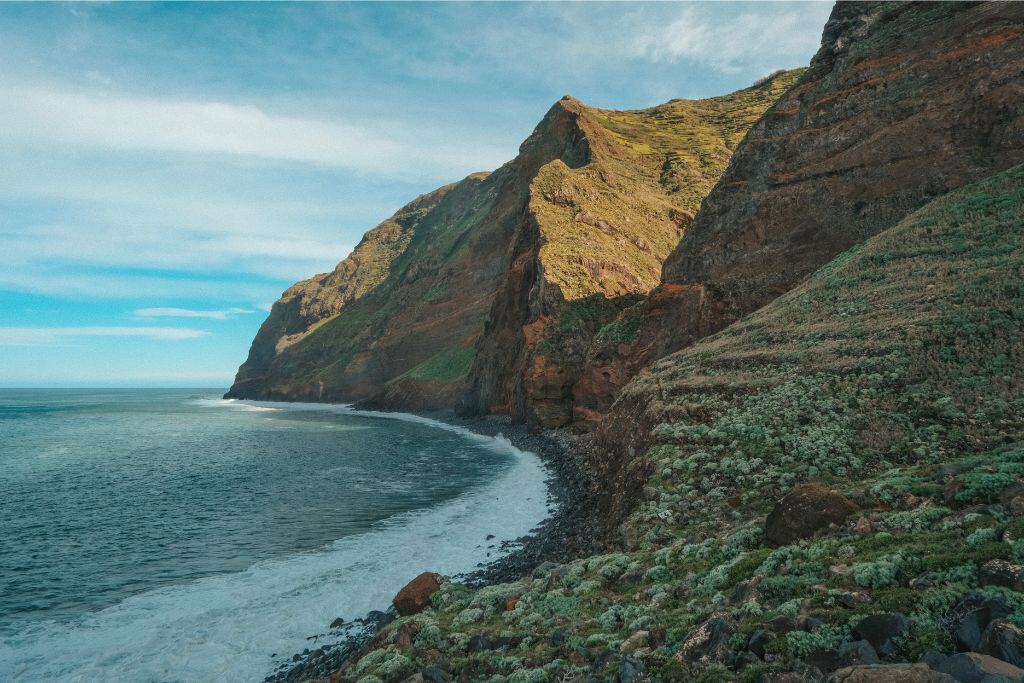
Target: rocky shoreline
(568, 533)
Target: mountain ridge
(405, 319)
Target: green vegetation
(609, 225)
(447, 366)
(894, 375)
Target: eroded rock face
(902, 103)
(415, 596)
(804, 511)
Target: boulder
(759, 639)
(847, 654)
(1002, 573)
(629, 670)
(1004, 641)
(636, 641)
(480, 643)
(889, 673)
(882, 631)
(972, 616)
(406, 633)
(706, 643)
(804, 511)
(436, 674)
(415, 596)
(972, 667)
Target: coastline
(569, 532)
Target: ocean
(170, 535)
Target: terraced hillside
(588, 211)
(893, 379)
(903, 103)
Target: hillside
(446, 302)
(903, 103)
(893, 378)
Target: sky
(168, 170)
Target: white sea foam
(226, 627)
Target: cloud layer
(190, 313)
(36, 336)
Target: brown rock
(863, 526)
(635, 642)
(1002, 573)
(415, 596)
(889, 673)
(1017, 506)
(406, 633)
(971, 667)
(1004, 641)
(805, 510)
(511, 603)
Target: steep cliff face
(902, 103)
(481, 293)
(593, 240)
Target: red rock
(415, 597)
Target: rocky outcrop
(486, 294)
(903, 103)
(804, 511)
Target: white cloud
(87, 284)
(57, 117)
(31, 336)
(108, 122)
(759, 36)
(190, 313)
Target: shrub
(877, 574)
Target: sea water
(169, 535)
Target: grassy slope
(607, 227)
(900, 355)
(649, 171)
(431, 235)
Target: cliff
(809, 437)
(902, 103)
(892, 379)
(448, 302)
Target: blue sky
(167, 170)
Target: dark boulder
(436, 674)
(972, 667)
(759, 640)
(1002, 573)
(706, 643)
(1004, 641)
(972, 615)
(847, 654)
(889, 673)
(883, 631)
(804, 511)
(480, 643)
(630, 669)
